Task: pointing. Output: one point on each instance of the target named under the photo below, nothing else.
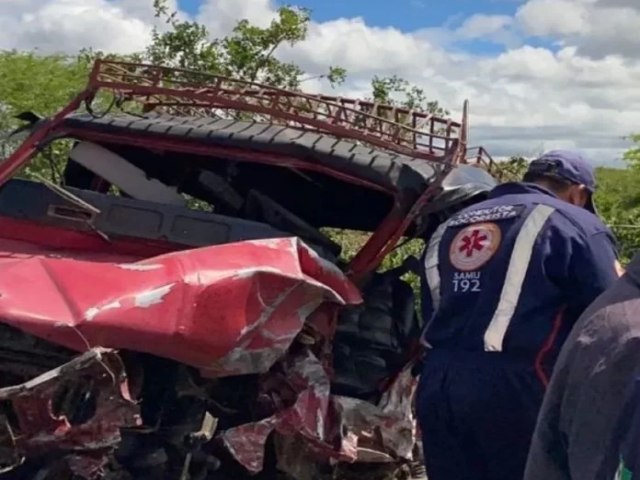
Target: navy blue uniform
(504, 282)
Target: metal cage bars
(186, 93)
(479, 157)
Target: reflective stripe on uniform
(514, 280)
(431, 265)
(623, 473)
(433, 275)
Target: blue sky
(406, 15)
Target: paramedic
(505, 281)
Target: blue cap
(568, 165)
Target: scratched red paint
(226, 310)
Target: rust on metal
(186, 93)
(480, 157)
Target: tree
(248, 53)
(398, 91)
(45, 83)
(42, 85)
(618, 200)
(618, 203)
(37, 83)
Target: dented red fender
(227, 310)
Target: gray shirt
(597, 366)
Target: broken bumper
(76, 409)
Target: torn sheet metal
(227, 310)
(388, 427)
(334, 428)
(306, 416)
(78, 407)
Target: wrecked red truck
(171, 306)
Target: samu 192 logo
(474, 246)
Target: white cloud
(67, 25)
(597, 27)
(554, 17)
(141, 9)
(498, 29)
(528, 98)
(221, 15)
(481, 26)
(363, 49)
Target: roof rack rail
(479, 157)
(187, 93)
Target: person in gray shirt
(578, 434)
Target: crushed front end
(171, 305)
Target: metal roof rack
(479, 157)
(186, 93)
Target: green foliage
(352, 241)
(516, 166)
(632, 156)
(42, 84)
(618, 203)
(248, 53)
(398, 91)
(185, 45)
(399, 255)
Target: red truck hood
(226, 310)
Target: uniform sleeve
(593, 268)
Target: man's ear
(585, 193)
(578, 195)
